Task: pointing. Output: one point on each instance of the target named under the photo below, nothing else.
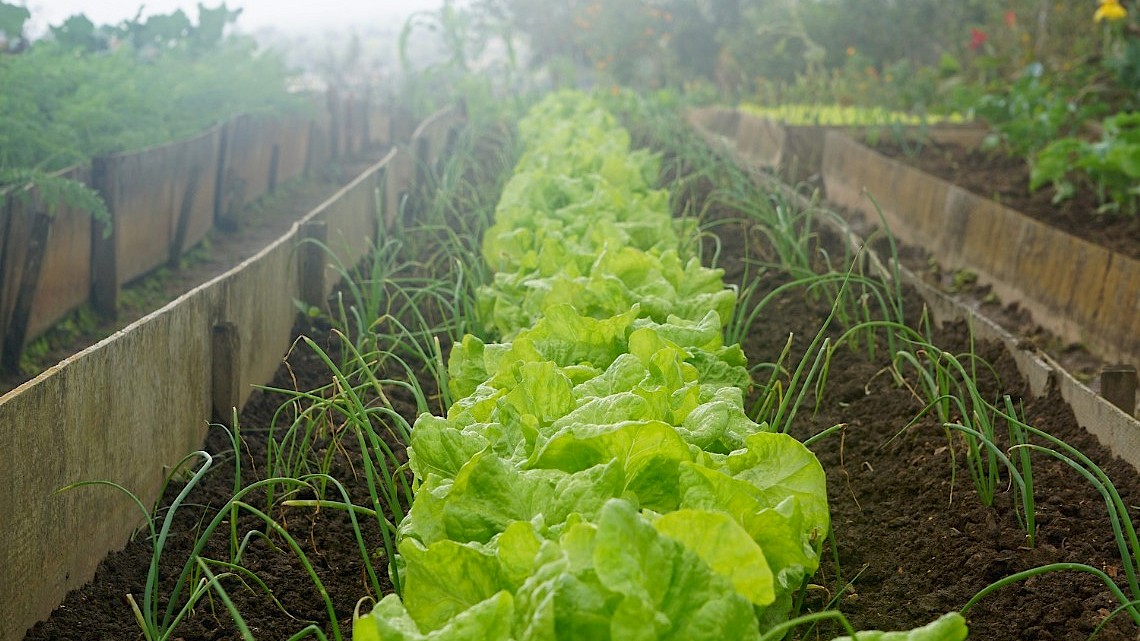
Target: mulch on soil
(911, 545)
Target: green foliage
(69, 98)
(79, 33)
(842, 116)
(862, 24)
(1032, 111)
(950, 627)
(1126, 67)
(12, 19)
(57, 192)
(463, 33)
(597, 476)
(1110, 166)
(61, 108)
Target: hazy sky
(289, 15)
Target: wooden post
(225, 385)
(104, 260)
(314, 240)
(5, 248)
(17, 329)
(185, 211)
(424, 174)
(274, 160)
(220, 173)
(1118, 386)
(334, 124)
(394, 186)
(366, 120)
(310, 160)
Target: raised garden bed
(1086, 298)
(136, 402)
(1005, 179)
(911, 544)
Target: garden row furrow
(598, 476)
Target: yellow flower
(1109, 10)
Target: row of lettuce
(598, 477)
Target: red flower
(1011, 19)
(977, 39)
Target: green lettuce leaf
(489, 620)
(727, 548)
(621, 579)
(779, 466)
(489, 494)
(649, 452)
(438, 448)
(949, 627)
(445, 579)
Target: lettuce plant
(597, 476)
(1110, 166)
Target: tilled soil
(911, 544)
(99, 610)
(912, 538)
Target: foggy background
(290, 16)
(314, 38)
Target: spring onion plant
(197, 580)
(155, 622)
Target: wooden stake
(1118, 386)
(314, 238)
(104, 260)
(17, 329)
(226, 372)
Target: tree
(12, 20)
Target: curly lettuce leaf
(445, 579)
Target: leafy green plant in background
(72, 97)
(465, 33)
(1032, 112)
(12, 21)
(1109, 167)
(62, 107)
(56, 191)
(844, 116)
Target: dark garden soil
(99, 610)
(911, 544)
(260, 223)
